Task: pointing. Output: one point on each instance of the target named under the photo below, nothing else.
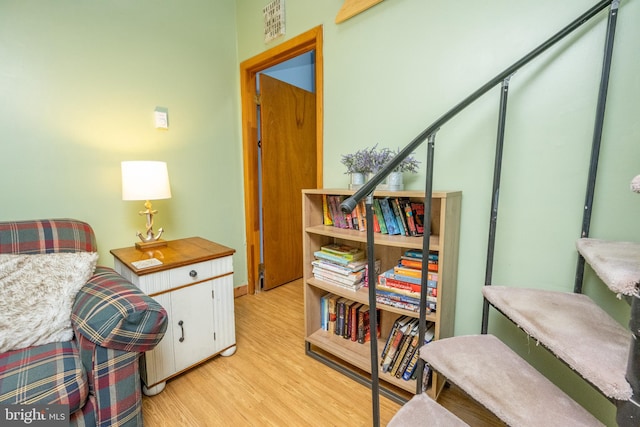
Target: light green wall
(393, 70)
(79, 82)
(78, 85)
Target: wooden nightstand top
(177, 253)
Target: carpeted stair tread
(616, 263)
(421, 411)
(503, 382)
(573, 328)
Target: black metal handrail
(366, 191)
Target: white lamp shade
(145, 180)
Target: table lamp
(146, 180)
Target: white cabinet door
(192, 324)
(223, 313)
(160, 362)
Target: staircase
(572, 327)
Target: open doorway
(249, 71)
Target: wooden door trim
(305, 42)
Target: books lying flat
(345, 251)
(345, 280)
(350, 268)
(336, 259)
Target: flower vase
(395, 181)
(357, 180)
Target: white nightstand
(194, 283)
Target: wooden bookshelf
(445, 226)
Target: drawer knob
(193, 273)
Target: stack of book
(340, 265)
(400, 353)
(346, 318)
(343, 266)
(400, 286)
(391, 215)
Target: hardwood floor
(270, 381)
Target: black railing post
(495, 195)
(597, 137)
(426, 239)
(373, 314)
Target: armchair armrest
(113, 313)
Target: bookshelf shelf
(353, 358)
(356, 354)
(380, 239)
(362, 296)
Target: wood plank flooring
(270, 381)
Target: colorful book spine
(378, 212)
(389, 217)
(350, 253)
(402, 225)
(406, 271)
(418, 216)
(409, 214)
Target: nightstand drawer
(200, 271)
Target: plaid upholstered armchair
(96, 372)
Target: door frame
(303, 43)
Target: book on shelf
(406, 207)
(333, 313)
(377, 210)
(412, 348)
(400, 217)
(403, 299)
(390, 279)
(428, 337)
(432, 292)
(417, 254)
(376, 266)
(349, 287)
(418, 216)
(413, 253)
(376, 224)
(364, 326)
(353, 321)
(335, 259)
(340, 309)
(404, 295)
(336, 216)
(326, 213)
(409, 306)
(347, 252)
(387, 345)
(407, 271)
(396, 339)
(403, 348)
(387, 282)
(391, 274)
(347, 279)
(363, 316)
(410, 262)
(324, 311)
(339, 218)
(350, 268)
(389, 217)
(350, 222)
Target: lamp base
(148, 245)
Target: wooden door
(288, 130)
